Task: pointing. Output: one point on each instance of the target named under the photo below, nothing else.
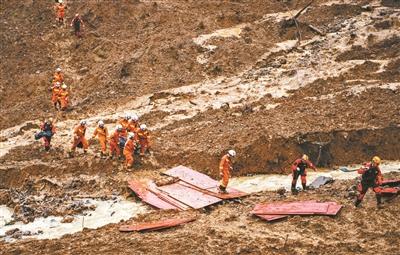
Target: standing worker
(133, 125)
(129, 149)
(371, 177)
(144, 139)
(58, 76)
(55, 93)
(79, 138)
(225, 168)
(102, 134)
(114, 142)
(299, 169)
(47, 131)
(77, 23)
(60, 12)
(63, 97)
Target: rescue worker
(299, 169)
(129, 149)
(60, 11)
(124, 122)
(225, 168)
(133, 125)
(77, 22)
(79, 138)
(47, 131)
(102, 134)
(371, 177)
(144, 139)
(58, 76)
(63, 97)
(55, 92)
(114, 142)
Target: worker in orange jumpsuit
(371, 177)
(102, 134)
(63, 97)
(129, 149)
(124, 122)
(79, 138)
(133, 125)
(299, 169)
(60, 11)
(144, 139)
(55, 92)
(114, 142)
(58, 76)
(225, 168)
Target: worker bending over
(225, 168)
(47, 131)
(371, 177)
(299, 169)
(79, 138)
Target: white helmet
(83, 122)
(101, 123)
(64, 86)
(134, 117)
(143, 127)
(57, 84)
(119, 128)
(232, 153)
(58, 69)
(60, 1)
(127, 117)
(131, 135)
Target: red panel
(232, 193)
(333, 209)
(189, 196)
(163, 196)
(272, 217)
(390, 190)
(155, 225)
(392, 182)
(193, 177)
(149, 197)
(300, 208)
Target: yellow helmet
(304, 157)
(376, 160)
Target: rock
(225, 106)
(11, 231)
(83, 70)
(281, 191)
(4, 197)
(67, 219)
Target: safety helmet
(60, 1)
(131, 135)
(119, 128)
(376, 160)
(83, 122)
(77, 14)
(57, 84)
(50, 120)
(134, 117)
(64, 86)
(143, 127)
(127, 117)
(304, 157)
(101, 123)
(232, 153)
(58, 69)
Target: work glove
(298, 169)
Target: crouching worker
(102, 134)
(79, 138)
(299, 169)
(371, 177)
(129, 149)
(225, 168)
(47, 132)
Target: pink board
(191, 197)
(271, 217)
(193, 177)
(297, 208)
(151, 186)
(155, 225)
(148, 197)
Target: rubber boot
(379, 201)
(357, 202)
(222, 189)
(304, 186)
(293, 189)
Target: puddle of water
(106, 212)
(274, 182)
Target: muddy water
(106, 212)
(258, 183)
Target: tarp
(321, 180)
(155, 225)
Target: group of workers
(76, 22)
(371, 175)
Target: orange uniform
(129, 148)
(58, 77)
(79, 137)
(114, 140)
(124, 123)
(55, 93)
(225, 167)
(60, 11)
(63, 98)
(144, 140)
(102, 134)
(133, 126)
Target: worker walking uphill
(55, 93)
(225, 168)
(129, 149)
(371, 177)
(58, 76)
(299, 169)
(102, 134)
(79, 138)
(60, 11)
(144, 139)
(114, 142)
(47, 131)
(63, 97)
(78, 24)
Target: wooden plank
(191, 197)
(163, 224)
